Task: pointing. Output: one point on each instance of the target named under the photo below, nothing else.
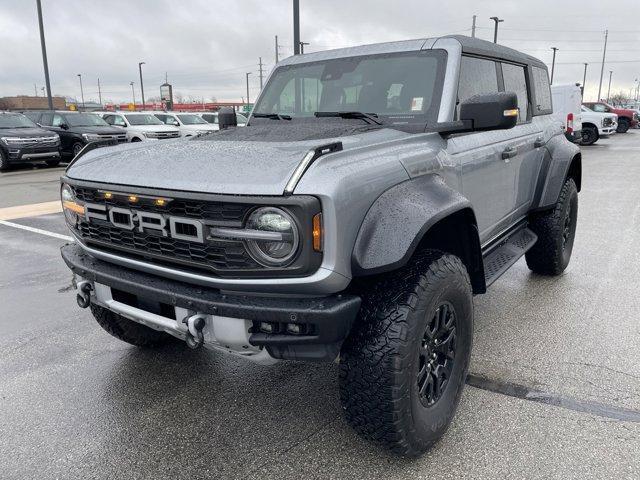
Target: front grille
(220, 256)
(34, 142)
(119, 138)
(162, 135)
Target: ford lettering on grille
(179, 228)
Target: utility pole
(495, 29)
(133, 95)
(247, 75)
(584, 79)
(44, 55)
(35, 89)
(277, 52)
(609, 89)
(296, 27)
(302, 44)
(81, 91)
(473, 27)
(553, 62)
(99, 93)
(260, 66)
(141, 84)
(604, 55)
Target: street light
(495, 30)
(133, 94)
(247, 75)
(584, 79)
(81, 91)
(45, 63)
(302, 44)
(553, 63)
(609, 90)
(141, 84)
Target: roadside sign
(131, 106)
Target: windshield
(398, 87)
(85, 120)
(146, 119)
(10, 120)
(190, 119)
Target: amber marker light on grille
(133, 198)
(317, 232)
(73, 206)
(108, 195)
(513, 112)
(160, 202)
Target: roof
(474, 46)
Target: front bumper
(324, 321)
(30, 154)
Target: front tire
(403, 367)
(623, 125)
(590, 135)
(127, 330)
(4, 163)
(556, 231)
(75, 150)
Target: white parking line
(36, 230)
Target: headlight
(280, 250)
(70, 205)
(90, 137)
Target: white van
(567, 103)
(140, 125)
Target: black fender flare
(561, 158)
(400, 218)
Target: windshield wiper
(370, 117)
(272, 116)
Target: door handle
(538, 143)
(508, 153)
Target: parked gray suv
(373, 193)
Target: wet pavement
(555, 367)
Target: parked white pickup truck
(140, 126)
(596, 125)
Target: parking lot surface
(555, 366)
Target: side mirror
(227, 118)
(64, 126)
(495, 111)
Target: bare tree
(619, 98)
(178, 97)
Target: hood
(97, 130)
(26, 132)
(254, 160)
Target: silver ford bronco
(373, 192)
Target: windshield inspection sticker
(416, 104)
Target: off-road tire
(127, 330)
(52, 163)
(623, 125)
(552, 252)
(379, 361)
(590, 135)
(4, 163)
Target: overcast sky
(207, 46)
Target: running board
(508, 252)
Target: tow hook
(84, 294)
(195, 324)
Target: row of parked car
(586, 122)
(50, 136)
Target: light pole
(553, 62)
(296, 27)
(495, 29)
(247, 77)
(81, 91)
(133, 94)
(44, 56)
(302, 44)
(584, 78)
(609, 89)
(141, 84)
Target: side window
(115, 120)
(477, 76)
(163, 118)
(515, 81)
(542, 89)
(57, 120)
(46, 119)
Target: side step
(506, 253)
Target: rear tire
(590, 135)
(623, 125)
(556, 230)
(127, 330)
(403, 367)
